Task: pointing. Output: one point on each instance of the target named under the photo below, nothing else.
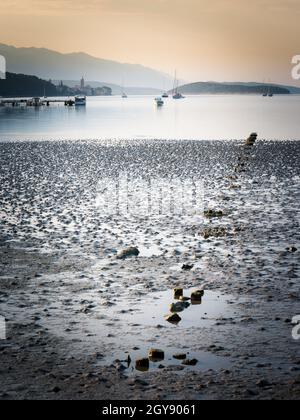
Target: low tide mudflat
(75, 311)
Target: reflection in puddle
(195, 360)
(149, 315)
(153, 308)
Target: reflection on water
(203, 117)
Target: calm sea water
(201, 117)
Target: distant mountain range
(48, 64)
(234, 88)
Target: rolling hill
(230, 88)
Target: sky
(222, 40)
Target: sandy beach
(76, 313)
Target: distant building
(82, 83)
(84, 89)
(60, 87)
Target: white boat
(123, 93)
(80, 100)
(159, 101)
(34, 102)
(165, 95)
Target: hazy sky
(203, 39)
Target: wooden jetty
(37, 101)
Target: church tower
(82, 83)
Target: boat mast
(175, 86)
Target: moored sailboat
(176, 93)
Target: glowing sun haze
(233, 40)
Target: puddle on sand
(151, 310)
(145, 327)
(205, 361)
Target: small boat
(265, 89)
(165, 95)
(80, 100)
(176, 94)
(36, 102)
(123, 93)
(269, 92)
(159, 101)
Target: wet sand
(75, 311)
